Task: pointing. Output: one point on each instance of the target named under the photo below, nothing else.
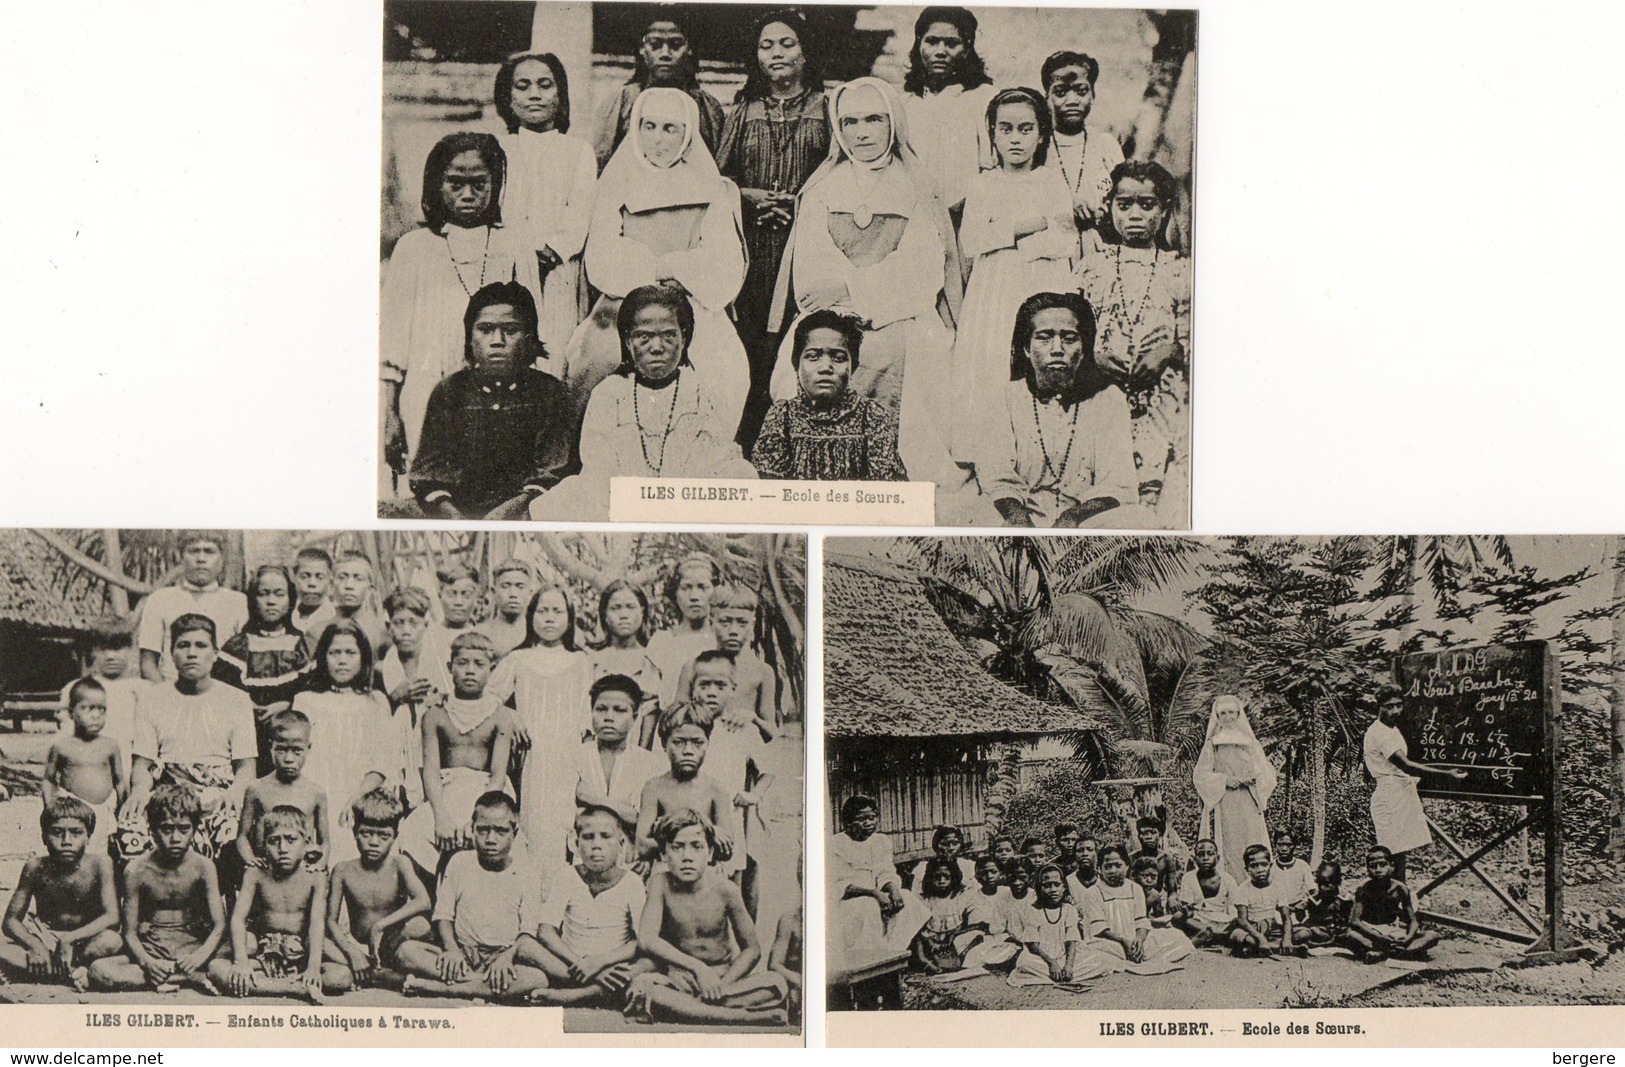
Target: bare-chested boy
(284, 787)
(736, 757)
(684, 730)
(75, 920)
(87, 764)
(687, 921)
(589, 923)
(512, 585)
(785, 957)
(277, 935)
(466, 744)
(485, 916)
(375, 903)
(174, 918)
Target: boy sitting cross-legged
(487, 907)
(75, 920)
(702, 974)
(376, 902)
(174, 918)
(589, 923)
(277, 938)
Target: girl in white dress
(430, 276)
(1118, 926)
(1051, 936)
(354, 745)
(664, 215)
(547, 678)
(1020, 236)
(549, 197)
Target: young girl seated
(946, 937)
(1051, 937)
(1205, 904)
(1118, 925)
(948, 842)
(1326, 913)
(827, 431)
(1146, 874)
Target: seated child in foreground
(75, 919)
(1117, 923)
(943, 941)
(1205, 905)
(277, 939)
(685, 734)
(284, 786)
(86, 764)
(1326, 912)
(380, 895)
(485, 912)
(947, 843)
(1383, 921)
(1051, 936)
(784, 958)
(173, 915)
(1148, 876)
(589, 925)
(700, 975)
(1263, 909)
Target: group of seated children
(645, 897)
(1073, 911)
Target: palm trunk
(1616, 806)
(118, 598)
(1317, 780)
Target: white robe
(549, 690)
(1100, 462)
(547, 203)
(351, 735)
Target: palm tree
(1446, 562)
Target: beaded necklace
(484, 258)
(671, 417)
(1083, 157)
(1117, 305)
(1058, 913)
(1071, 438)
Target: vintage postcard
(317, 787)
(1162, 789)
(944, 248)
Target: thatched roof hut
(45, 621)
(894, 671)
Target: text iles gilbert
(731, 494)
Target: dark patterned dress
(854, 440)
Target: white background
(1408, 234)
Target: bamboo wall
(918, 789)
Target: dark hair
(1038, 875)
(668, 826)
(84, 685)
(683, 713)
(668, 588)
(321, 555)
(532, 638)
(610, 590)
(672, 13)
(193, 621)
(1088, 379)
(980, 860)
(645, 296)
(1251, 850)
(597, 809)
(213, 537)
(496, 294)
(1033, 99)
(351, 555)
(254, 619)
(1162, 183)
(972, 71)
(67, 806)
(1141, 865)
(103, 638)
(497, 799)
(1282, 832)
(852, 805)
(320, 679)
(503, 91)
(377, 807)
(474, 639)
(171, 801)
(1017, 865)
(513, 565)
(458, 569)
(1384, 849)
(1332, 869)
(616, 683)
(756, 85)
(1148, 822)
(937, 863)
(285, 815)
(1059, 61)
(287, 718)
(439, 160)
(1118, 850)
(1032, 842)
(827, 319)
(716, 655)
(942, 833)
(407, 598)
(1065, 828)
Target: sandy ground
(22, 756)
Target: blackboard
(1489, 710)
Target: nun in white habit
(872, 239)
(664, 215)
(1235, 780)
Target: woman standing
(664, 216)
(773, 140)
(1235, 780)
(872, 240)
(549, 196)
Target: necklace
(1055, 921)
(1071, 437)
(1118, 305)
(1083, 155)
(484, 257)
(671, 416)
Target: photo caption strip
(745, 501)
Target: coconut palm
(1446, 563)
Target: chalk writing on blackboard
(1482, 710)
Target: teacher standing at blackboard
(1396, 806)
